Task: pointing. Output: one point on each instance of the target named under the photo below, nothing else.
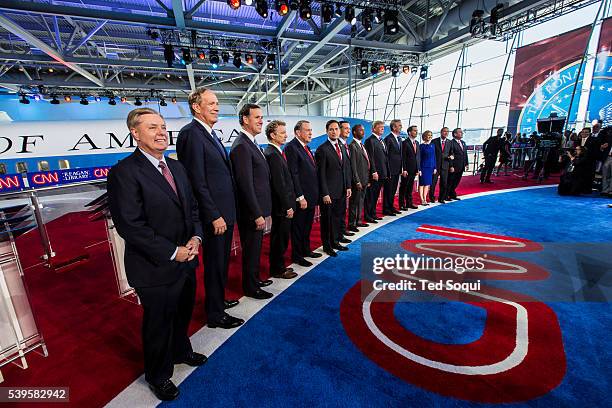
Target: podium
(19, 333)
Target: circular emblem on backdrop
(552, 96)
(600, 105)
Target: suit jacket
(252, 179)
(210, 173)
(492, 146)
(378, 157)
(151, 219)
(346, 163)
(412, 159)
(303, 172)
(283, 196)
(442, 161)
(394, 154)
(460, 157)
(359, 164)
(332, 176)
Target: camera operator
(576, 173)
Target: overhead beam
(179, 13)
(16, 29)
(88, 36)
(333, 54)
(287, 20)
(191, 76)
(322, 84)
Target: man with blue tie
(210, 172)
(393, 141)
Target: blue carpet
(295, 352)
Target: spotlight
(137, 102)
(123, 99)
(388, 69)
(374, 69)
(67, 98)
(338, 11)
(234, 4)
(390, 22)
(169, 54)
(378, 18)
(423, 73)
(382, 68)
(147, 100)
(271, 62)
(214, 59)
(186, 60)
(153, 34)
(201, 54)
(249, 59)
(225, 57)
(112, 101)
(349, 15)
(327, 12)
(395, 70)
(54, 101)
(305, 10)
(173, 99)
(261, 6)
(260, 58)
(414, 70)
(248, 2)
(364, 67)
(237, 60)
(24, 99)
(84, 100)
(162, 102)
(294, 4)
(366, 20)
(406, 69)
(97, 98)
(37, 97)
(51, 70)
(282, 7)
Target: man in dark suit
(443, 146)
(393, 142)
(490, 150)
(283, 199)
(458, 163)
(345, 132)
(154, 211)
(306, 186)
(411, 157)
(379, 169)
(334, 187)
(202, 153)
(254, 198)
(360, 164)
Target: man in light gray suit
(360, 164)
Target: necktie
(443, 142)
(168, 176)
(365, 152)
(284, 156)
(348, 154)
(338, 151)
(383, 144)
(309, 153)
(460, 144)
(219, 144)
(414, 146)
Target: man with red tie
(360, 165)
(458, 162)
(411, 158)
(345, 132)
(443, 147)
(303, 170)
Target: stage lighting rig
(260, 58)
(271, 62)
(391, 22)
(214, 58)
(234, 4)
(137, 102)
(294, 4)
(24, 99)
(67, 98)
(395, 70)
(249, 59)
(248, 2)
(84, 100)
(237, 60)
(338, 11)
(162, 101)
(225, 57)
(54, 100)
(169, 54)
(186, 56)
(374, 69)
(364, 68)
(349, 15)
(423, 74)
(282, 8)
(261, 6)
(327, 12)
(366, 20)
(305, 10)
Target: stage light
(214, 59)
(137, 102)
(169, 54)
(24, 99)
(201, 55)
(112, 101)
(162, 102)
(395, 70)
(423, 73)
(305, 10)
(382, 68)
(67, 98)
(338, 11)
(364, 67)
(186, 59)
(406, 69)
(366, 20)
(97, 98)
(260, 58)
(349, 15)
(248, 2)
(249, 59)
(237, 60)
(327, 12)
(84, 100)
(374, 69)
(123, 99)
(378, 18)
(153, 34)
(54, 100)
(173, 99)
(414, 70)
(390, 22)
(51, 70)
(294, 4)
(234, 4)
(36, 97)
(388, 69)
(147, 100)
(167, 75)
(225, 57)
(282, 8)
(271, 62)
(261, 6)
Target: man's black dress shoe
(286, 274)
(414, 207)
(340, 248)
(228, 304)
(378, 218)
(354, 229)
(371, 221)
(389, 214)
(264, 283)
(193, 359)
(456, 198)
(330, 252)
(226, 322)
(345, 241)
(303, 262)
(362, 225)
(348, 234)
(403, 208)
(259, 294)
(442, 202)
(397, 211)
(165, 391)
(314, 255)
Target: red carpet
(93, 337)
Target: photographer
(576, 173)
